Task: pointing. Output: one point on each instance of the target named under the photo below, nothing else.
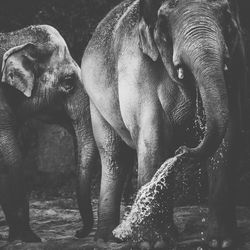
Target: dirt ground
(57, 220)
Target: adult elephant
(40, 79)
(141, 70)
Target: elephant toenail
(144, 245)
(226, 243)
(213, 243)
(160, 245)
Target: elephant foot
(216, 243)
(161, 244)
(221, 239)
(102, 242)
(82, 233)
(161, 241)
(105, 233)
(149, 236)
(25, 235)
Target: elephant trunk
(211, 85)
(203, 54)
(78, 110)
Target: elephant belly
(103, 93)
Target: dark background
(49, 149)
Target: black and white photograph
(124, 124)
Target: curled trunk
(215, 102)
(203, 54)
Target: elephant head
(36, 63)
(193, 38)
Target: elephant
(143, 69)
(39, 79)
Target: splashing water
(200, 118)
(152, 208)
(200, 126)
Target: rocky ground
(57, 220)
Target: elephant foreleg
(13, 196)
(222, 186)
(77, 108)
(116, 159)
(153, 149)
(86, 159)
(153, 144)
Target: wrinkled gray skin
(39, 79)
(140, 70)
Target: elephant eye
(68, 83)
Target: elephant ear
(148, 15)
(18, 68)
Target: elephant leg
(153, 146)
(87, 156)
(222, 181)
(13, 197)
(17, 215)
(116, 159)
(153, 149)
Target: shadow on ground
(57, 220)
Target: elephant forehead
(54, 34)
(168, 5)
(49, 77)
(55, 42)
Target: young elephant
(141, 70)
(40, 79)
